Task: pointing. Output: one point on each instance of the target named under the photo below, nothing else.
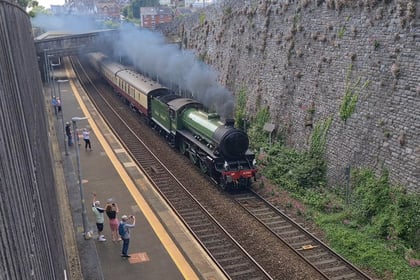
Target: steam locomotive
(217, 148)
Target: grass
(364, 250)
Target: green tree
(127, 11)
(37, 9)
(23, 3)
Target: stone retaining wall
(300, 58)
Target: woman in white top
(86, 138)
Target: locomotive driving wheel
(182, 147)
(193, 157)
(203, 166)
(222, 183)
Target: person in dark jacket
(68, 134)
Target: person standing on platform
(86, 138)
(54, 104)
(68, 133)
(124, 231)
(58, 100)
(111, 211)
(99, 214)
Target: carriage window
(132, 92)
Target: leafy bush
(366, 252)
(370, 196)
(406, 219)
(323, 200)
(319, 138)
(293, 170)
(259, 138)
(387, 209)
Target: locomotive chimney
(229, 122)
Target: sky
(48, 3)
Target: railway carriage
(216, 147)
(135, 88)
(138, 89)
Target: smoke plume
(65, 23)
(149, 52)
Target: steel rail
(310, 248)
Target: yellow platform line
(158, 228)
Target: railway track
(233, 260)
(220, 245)
(311, 249)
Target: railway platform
(160, 246)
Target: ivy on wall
(319, 138)
(351, 95)
(202, 18)
(258, 136)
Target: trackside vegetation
(371, 222)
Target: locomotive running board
(191, 138)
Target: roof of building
(153, 11)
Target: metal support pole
(53, 84)
(62, 115)
(348, 191)
(46, 72)
(79, 173)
